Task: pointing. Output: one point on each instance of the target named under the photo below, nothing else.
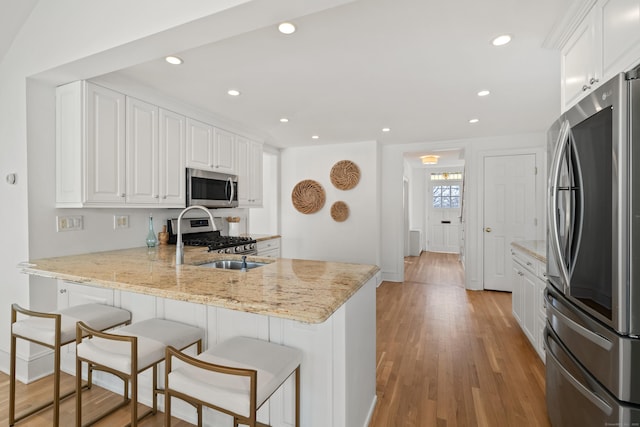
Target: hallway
(451, 357)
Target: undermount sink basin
(231, 264)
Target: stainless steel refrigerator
(592, 339)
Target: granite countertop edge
(301, 290)
(534, 248)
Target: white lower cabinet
(528, 307)
(269, 248)
(337, 371)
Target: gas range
(199, 232)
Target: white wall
(393, 170)
(68, 40)
(266, 220)
(318, 236)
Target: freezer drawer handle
(576, 327)
(595, 399)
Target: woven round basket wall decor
(339, 211)
(308, 196)
(345, 175)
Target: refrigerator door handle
(554, 178)
(589, 394)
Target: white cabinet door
(269, 248)
(105, 121)
(71, 294)
(199, 145)
(530, 311)
(581, 61)
(224, 152)
(172, 159)
(620, 35)
(517, 292)
(249, 170)
(142, 152)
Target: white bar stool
(134, 349)
(235, 377)
(54, 330)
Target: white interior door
(509, 213)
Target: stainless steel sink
(232, 264)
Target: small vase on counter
(151, 235)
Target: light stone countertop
(534, 248)
(302, 290)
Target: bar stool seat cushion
(154, 335)
(97, 316)
(273, 362)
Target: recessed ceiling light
(287, 28)
(284, 120)
(233, 92)
(474, 121)
(501, 40)
(483, 93)
(386, 129)
(173, 60)
(315, 137)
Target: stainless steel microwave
(211, 189)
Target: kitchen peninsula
(326, 309)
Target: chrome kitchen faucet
(179, 244)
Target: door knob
(488, 229)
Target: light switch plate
(120, 221)
(69, 223)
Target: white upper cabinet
(224, 152)
(210, 148)
(142, 152)
(114, 151)
(249, 169)
(155, 156)
(620, 35)
(172, 159)
(581, 61)
(90, 146)
(199, 145)
(607, 42)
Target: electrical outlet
(120, 221)
(69, 223)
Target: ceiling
(414, 66)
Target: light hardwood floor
(446, 357)
(451, 357)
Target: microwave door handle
(233, 191)
(552, 213)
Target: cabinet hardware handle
(155, 196)
(520, 273)
(488, 229)
(585, 88)
(529, 263)
(122, 194)
(593, 80)
(63, 291)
